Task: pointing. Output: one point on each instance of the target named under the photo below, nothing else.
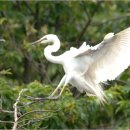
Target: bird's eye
(45, 38)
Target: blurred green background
(24, 66)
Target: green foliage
(24, 66)
(67, 112)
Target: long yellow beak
(38, 41)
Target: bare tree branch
(6, 111)
(35, 111)
(16, 111)
(87, 23)
(18, 123)
(10, 122)
(42, 99)
(34, 120)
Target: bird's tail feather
(96, 90)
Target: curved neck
(53, 48)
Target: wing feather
(111, 57)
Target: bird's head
(46, 39)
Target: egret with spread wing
(86, 67)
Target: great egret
(88, 66)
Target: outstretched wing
(110, 58)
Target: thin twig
(10, 122)
(42, 99)
(1, 102)
(16, 111)
(6, 111)
(121, 81)
(28, 103)
(34, 121)
(35, 111)
(37, 100)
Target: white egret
(86, 67)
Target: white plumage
(86, 67)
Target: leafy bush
(67, 112)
